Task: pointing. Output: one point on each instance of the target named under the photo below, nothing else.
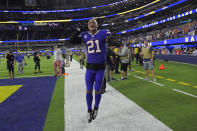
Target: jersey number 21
(91, 45)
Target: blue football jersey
(96, 46)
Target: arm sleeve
(123, 53)
(75, 38)
(108, 33)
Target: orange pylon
(161, 67)
(65, 74)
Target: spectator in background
(136, 51)
(140, 58)
(37, 62)
(130, 58)
(57, 61)
(116, 61)
(195, 52)
(82, 57)
(19, 59)
(63, 64)
(10, 64)
(109, 63)
(67, 58)
(71, 56)
(124, 57)
(148, 57)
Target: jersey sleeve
(108, 33)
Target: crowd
(184, 30)
(177, 51)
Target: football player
(95, 41)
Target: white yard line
(149, 81)
(116, 112)
(184, 93)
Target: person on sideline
(124, 54)
(57, 61)
(10, 64)
(147, 54)
(19, 58)
(37, 62)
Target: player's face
(92, 25)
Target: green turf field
(46, 67)
(176, 110)
(55, 117)
(173, 108)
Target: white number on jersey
(91, 45)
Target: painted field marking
(140, 72)
(28, 70)
(7, 91)
(26, 76)
(195, 86)
(170, 80)
(184, 93)
(183, 83)
(148, 81)
(160, 77)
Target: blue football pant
(93, 78)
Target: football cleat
(147, 79)
(154, 79)
(89, 116)
(94, 114)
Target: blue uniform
(95, 46)
(19, 58)
(96, 56)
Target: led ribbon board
(152, 12)
(158, 10)
(68, 20)
(69, 10)
(160, 22)
(169, 42)
(24, 41)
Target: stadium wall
(178, 58)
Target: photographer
(37, 62)
(10, 64)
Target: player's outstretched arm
(75, 38)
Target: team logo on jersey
(85, 36)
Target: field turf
(175, 109)
(46, 68)
(55, 116)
